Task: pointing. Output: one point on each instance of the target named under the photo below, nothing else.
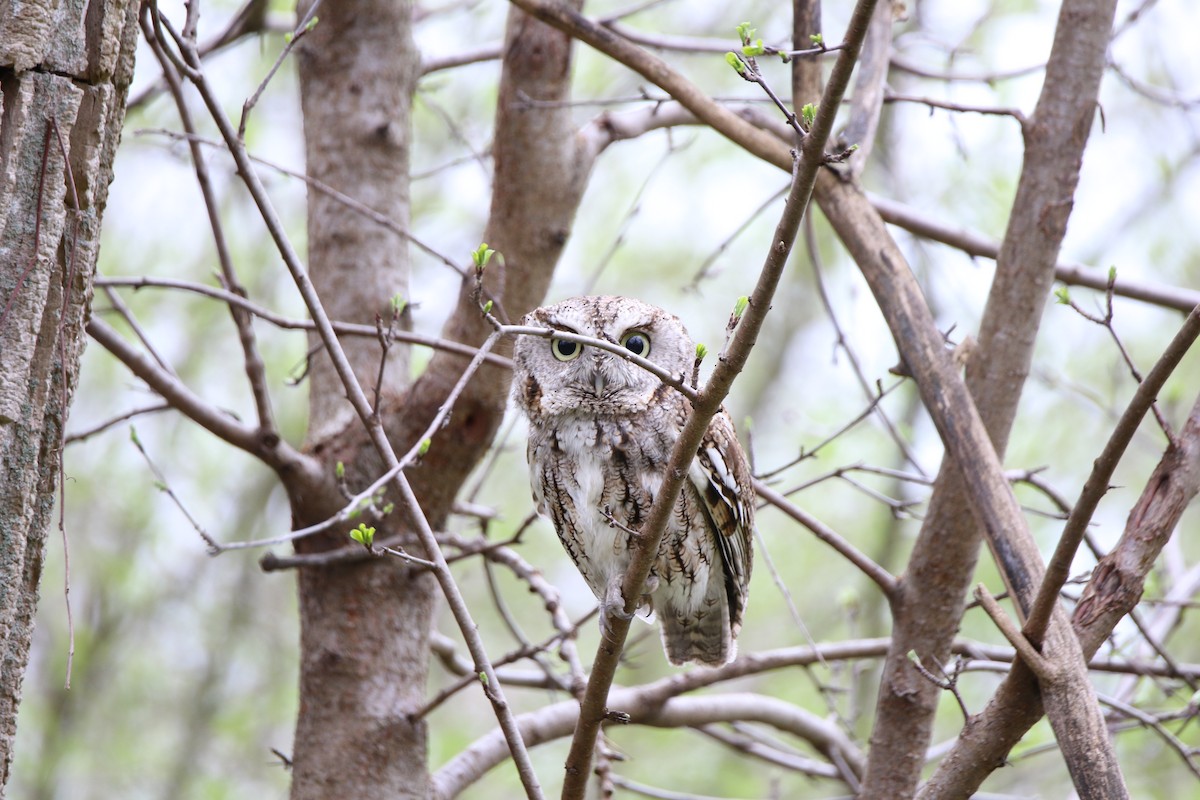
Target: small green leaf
(487, 307)
(817, 40)
(732, 59)
(1063, 296)
(312, 23)
(339, 470)
(388, 508)
(162, 487)
(745, 32)
(398, 305)
(1112, 273)
(701, 352)
(482, 255)
(740, 306)
(483, 678)
(748, 424)
(424, 448)
(354, 513)
(752, 50)
(364, 534)
(287, 37)
(913, 657)
(808, 114)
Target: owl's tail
(704, 635)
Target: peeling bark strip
(1119, 578)
(60, 73)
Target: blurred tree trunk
(64, 72)
(365, 626)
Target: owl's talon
(612, 606)
(617, 611)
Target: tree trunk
(63, 78)
(365, 626)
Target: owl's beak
(598, 382)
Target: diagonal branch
(593, 707)
(253, 362)
(1097, 484)
(1115, 588)
(207, 416)
(886, 582)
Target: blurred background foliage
(185, 668)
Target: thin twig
(946, 105)
(325, 189)
(164, 486)
(302, 28)
(71, 244)
(108, 423)
(1012, 633)
(138, 331)
(875, 393)
(254, 367)
(285, 323)
(882, 578)
(1106, 322)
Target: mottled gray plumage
(601, 433)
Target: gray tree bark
(365, 626)
(65, 68)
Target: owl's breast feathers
(596, 477)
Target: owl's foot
(612, 606)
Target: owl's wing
(722, 476)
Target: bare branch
(558, 720)
(488, 52)
(1096, 485)
(882, 578)
(1178, 298)
(1013, 634)
(253, 363)
(173, 390)
(280, 321)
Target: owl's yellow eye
(637, 342)
(564, 350)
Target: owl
(601, 433)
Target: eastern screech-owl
(601, 433)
